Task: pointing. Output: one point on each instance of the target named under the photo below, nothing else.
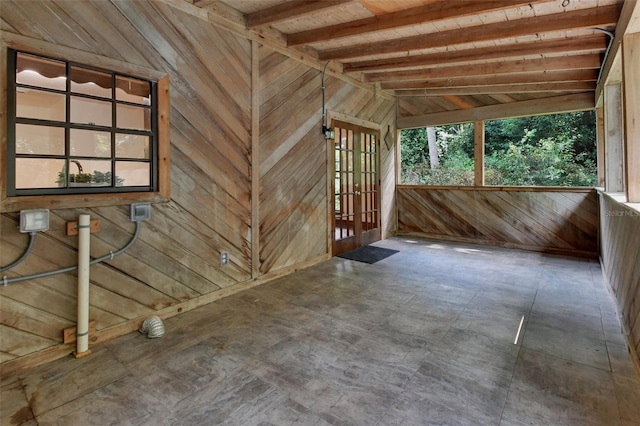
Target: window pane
(133, 90)
(40, 105)
(38, 173)
(131, 117)
(132, 173)
(43, 140)
(442, 155)
(543, 150)
(90, 82)
(85, 172)
(40, 72)
(90, 111)
(132, 146)
(90, 143)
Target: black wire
(32, 238)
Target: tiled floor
(425, 336)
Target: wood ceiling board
(590, 44)
(537, 25)
(380, 7)
(494, 68)
(429, 13)
(250, 6)
(290, 10)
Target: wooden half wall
(620, 259)
(249, 173)
(561, 221)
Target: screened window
(74, 128)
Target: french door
(356, 219)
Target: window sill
(621, 198)
(52, 202)
(581, 189)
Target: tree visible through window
(77, 129)
(549, 150)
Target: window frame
(162, 191)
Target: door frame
(333, 118)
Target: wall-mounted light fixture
(329, 132)
(31, 222)
(34, 220)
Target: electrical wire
(111, 255)
(324, 113)
(32, 238)
(606, 53)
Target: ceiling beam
(565, 21)
(495, 80)
(589, 44)
(556, 104)
(573, 86)
(519, 66)
(414, 16)
(289, 10)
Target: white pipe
(82, 330)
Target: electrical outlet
(224, 258)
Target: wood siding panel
(544, 220)
(620, 259)
(293, 157)
(174, 265)
(176, 258)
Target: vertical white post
(84, 234)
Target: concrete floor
(425, 336)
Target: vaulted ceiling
(443, 55)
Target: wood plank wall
(620, 259)
(554, 221)
(174, 266)
(293, 156)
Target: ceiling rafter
(290, 10)
(415, 16)
(588, 75)
(577, 19)
(587, 44)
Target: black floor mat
(368, 254)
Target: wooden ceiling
(443, 55)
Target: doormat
(368, 254)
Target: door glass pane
(39, 140)
(90, 143)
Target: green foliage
(552, 150)
(98, 177)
